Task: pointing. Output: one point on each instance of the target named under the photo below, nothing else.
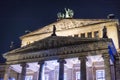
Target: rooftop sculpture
(54, 31)
(68, 14)
(105, 32)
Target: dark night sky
(16, 16)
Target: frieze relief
(68, 24)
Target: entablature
(61, 50)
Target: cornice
(55, 42)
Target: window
(89, 34)
(100, 75)
(83, 35)
(96, 34)
(30, 77)
(77, 75)
(76, 35)
(69, 35)
(11, 78)
(28, 43)
(46, 76)
(65, 76)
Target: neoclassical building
(68, 49)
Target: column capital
(82, 57)
(61, 61)
(41, 62)
(7, 66)
(24, 65)
(106, 56)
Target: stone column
(23, 72)
(41, 63)
(83, 68)
(117, 68)
(107, 67)
(61, 69)
(7, 72)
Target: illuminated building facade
(77, 52)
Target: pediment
(66, 24)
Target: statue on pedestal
(54, 31)
(12, 45)
(105, 32)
